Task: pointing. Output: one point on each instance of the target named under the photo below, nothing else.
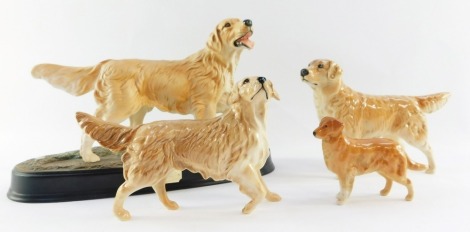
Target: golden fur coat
(349, 157)
(232, 146)
(369, 116)
(198, 85)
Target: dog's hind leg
(415, 133)
(251, 186)
(270, 196)
(122, 193)
(419, 141)
(406, 182)
(426, 149)
(85, 149)
(160, 189)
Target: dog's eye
(246, 81)
(227, 25)
(320, 66)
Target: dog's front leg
(250, 185)
(204, 110)
(270, 196)
(346, 183)
(122, 193)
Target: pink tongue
(247, 42)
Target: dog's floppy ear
(215, 42)
(334, 70)
(338, 126)
(234, 96)
(273, 93)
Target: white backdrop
(384, 47)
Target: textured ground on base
(71, 161)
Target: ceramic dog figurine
(367, 116)
(232, 146)
(348, 157)
(198, 85)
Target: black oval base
(37, 181)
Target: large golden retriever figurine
(198, 84)
(348, 157)
(232, 146)
(368, 116)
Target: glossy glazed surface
(369, 116)
(232, 146)
(348, 158)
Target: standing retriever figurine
(368, 116)
(348, 157)
(198, 84)
(232, 146)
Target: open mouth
(245, 41)
(262, 88)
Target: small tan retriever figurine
(232, 146)
(198, 85)
(368, 116)
(348, 157)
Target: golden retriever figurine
(232, 146)
(198, 84)
(348, 157)
(367, 116)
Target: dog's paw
(274, 197)
(430, 171)
(384, 192)
(90, 157)
(122, 214)
(409, 197)
(340, 202)
(249, 207)
(341, 197)
(172, 205)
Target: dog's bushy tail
(431, 103)
(74, 80)
(110, 135)
(414, 165)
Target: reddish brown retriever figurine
(349, 157)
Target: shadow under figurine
(369, 116)
(198, 85)
(232, 146)
(348, 157)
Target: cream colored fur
(232, 146)
(198, 84)
(368, 116)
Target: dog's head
(321, 73)
(329, 127)
(253, 89)
(232, 34)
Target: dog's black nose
(314, 133)
(262, 80)
(304, 72)
(248, 22)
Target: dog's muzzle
(261, 80)
(245, 39)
